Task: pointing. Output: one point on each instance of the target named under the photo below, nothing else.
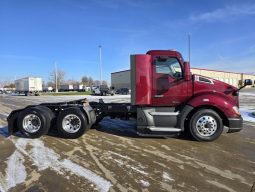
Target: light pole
(100, 64)
(56, 77)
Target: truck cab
(170, 99)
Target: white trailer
(29, 85)
(66, 88)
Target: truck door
(169, 86)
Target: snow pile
(247, 114)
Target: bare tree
(85, 80)
(90, 82)
(50, 84)
(104, 82)
(96, 82)
(72, 82)
(11, 85)
(60, 77)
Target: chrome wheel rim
(31, 123)
(206, 126)
(71, 123)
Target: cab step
(158, 131)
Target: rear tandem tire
(72, 123)
(34, 121)
(205, 125)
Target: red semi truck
(166, 99)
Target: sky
(34, 35)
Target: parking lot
(113, 158)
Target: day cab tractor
(166, 99)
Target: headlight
(236, 109)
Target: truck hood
(204, 85)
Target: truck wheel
(205, 125)
(33, 122)
(72, 123)
(47, 112)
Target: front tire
(205, 125)
(72, 123)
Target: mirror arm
(241, 87)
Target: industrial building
(121, 79)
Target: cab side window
(168, 66)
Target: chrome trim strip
(164, 113)
(166, 129)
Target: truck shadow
(4, 131)
(117, 127)
(124, 128)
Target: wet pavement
(113, 158)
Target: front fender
(218, 101)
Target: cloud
(228, 12)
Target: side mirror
(247, 82)
(187, 73)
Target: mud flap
(12, 122)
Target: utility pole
(56, 77)
(100, 64)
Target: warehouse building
(121, 79)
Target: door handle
(159, 96)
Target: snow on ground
(247, 114)
(166, 177)
(44, 158)
(145, 183)
(16, 171)
(123, 160)
(246, 94)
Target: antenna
(189, 46)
